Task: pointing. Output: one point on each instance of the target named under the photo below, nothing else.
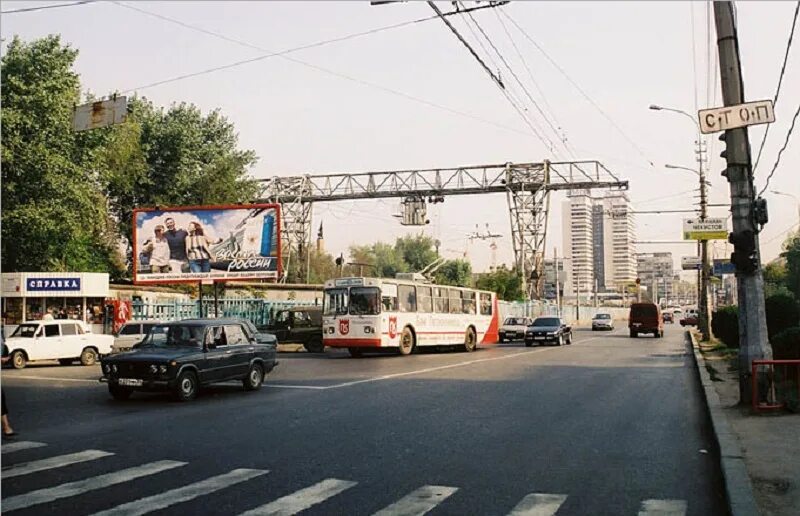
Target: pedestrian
(8, 432)
(48, 316)
(62, 314)
(159, 251)
(176, 238)
(197, 249)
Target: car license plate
(130, 382)
(539, 338)
(637, 324)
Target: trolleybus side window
(486, 304)
(365, 301)
(468, 302)
(335, 301)
(440, 300)
(455, 301)
(407, 297)
(389, 297)
(424, 300)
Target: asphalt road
(608, 425)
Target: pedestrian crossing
(417, 502)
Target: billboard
(708, 229)
(211, 243)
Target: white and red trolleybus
(363, 314)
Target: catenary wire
(43, 7)
(780, 81)
(780, 152)
(580, 90)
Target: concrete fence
(570, 313)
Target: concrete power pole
(753, 343)
(703, 304)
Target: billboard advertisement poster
(197, 243)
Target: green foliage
(782, 313)
(506, 283)
(725, 325)
(455, 272)
(786, 344)
(385, 260)
(54, 209)
(791, 253)
(417, 251)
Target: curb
(738, 488)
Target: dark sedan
(548, 329)
(182, 356)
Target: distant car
(131, 333)
(690, 319)
(548, 329)
(602, 321)
(180, 357)
(65, 340)
(667, 317)
(514, 328)
(300, 325)
(645, 318)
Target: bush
(782, 313)
(786, 344)
(725, 325)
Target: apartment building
(656, 271)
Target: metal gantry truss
(527, 186)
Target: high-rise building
(656, 272)
(599, 242)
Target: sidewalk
(769, 444)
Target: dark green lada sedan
(182, 356)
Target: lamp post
(705, 313)
(776, 192)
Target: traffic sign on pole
(708, 229)
(731, 117)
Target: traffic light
(339, 260)
(744, 256)
(760, 211)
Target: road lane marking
(418, 502)
(538, 504)
(21, 445)
(313, 387)
(59, 461)
(51, 494)
(50, 378)
(183, 494)
(303, 499)
(663, 508)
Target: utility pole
(753, 343)
(705, 313)
(558, 286)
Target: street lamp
(776, 192)
(705, 314)
(693, 171)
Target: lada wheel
(560, 341)
(356, 352)
(18, 359)
(569, 338)
(315, 345)
(88, 356)
(186, 386)
(254, 378)
(406, 342)
(470, 340)
(120, 393)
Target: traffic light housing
(760, 212)
(744, 256)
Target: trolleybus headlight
(330, 330)
(369, 329)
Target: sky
(444, 110)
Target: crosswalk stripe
(183, 494)
(538, 504)
(418, 502)
(90, 484)
(21, 445)
(303, 499)
(52, 463)
(663, 508)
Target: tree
(775, 279)
(455, 272)
(416, 251)
(55, 213)
(385, 259)
(506, 283)
(791, 253)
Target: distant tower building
(320, 240)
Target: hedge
(782, 313)
(725, 325)
(786, 344)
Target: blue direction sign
(722, 266)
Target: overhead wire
(580, 90)
(282, 54)
(780, 82)
(43, 7)
(780, 152)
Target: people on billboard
(159, 251)
(176, 238)
(197, 248)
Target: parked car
(514, 328)
(301, 325)
(667, 317)
(602, 321)
(65, 340)
(182, 356)
(690, 319)
(548, 329)
(645, 318)
(131, 333)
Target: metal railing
(258, 311)
(776, 384)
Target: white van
(130, 333)
(65, 340)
